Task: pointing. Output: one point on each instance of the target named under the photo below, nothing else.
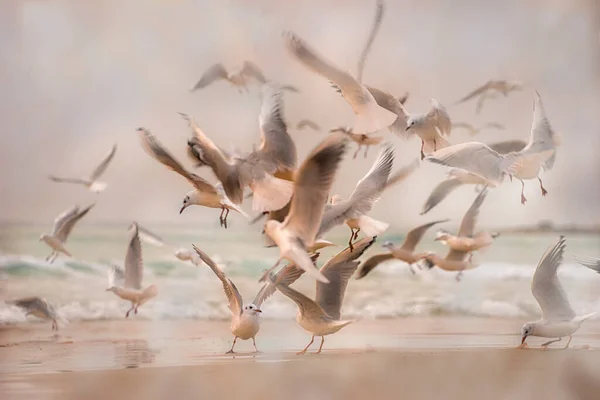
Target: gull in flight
(367, 192)
(491, 89)
(370, 117)
(430, 127)
(321, 317)
(307, 123)
(474, 131)
(312, 184)
(38, 307)
(63, 225)
(405, 252)
(590, 262)
(458, 177)
(150, 238)
(92, 183)
(204, 193)
(558, 318)
(267, 170)
(479, 159)
(128, 284)
(454, 261)
(245, 321)
(467, 240)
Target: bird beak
(407, 128)
(259, 311)
(523, 339)
(436, 239)
(183, 208)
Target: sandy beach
(414, 358)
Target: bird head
(189, 199)
(252, 309)
(526, 330)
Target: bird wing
(414, 236)
(65, 226)
(371, 263)
(134, 265)
(338, 271)
(392, 104)
(440, 117)
(546, 287)
(467, 226)
(69, 180)
(151, 238)
(455, 255)
(465, 126)
(212, 74)
(379, 9)
(306, 306)
(104, 164)
(542, 136)
(156, 150)
(308, 123)
(251, 70)
(508, 146)
(287, 275)
(30, 304)
(439, 193)
(278, 149)
(590, 262)
(232, 293)
(480, 90)
(312, 185)
(494, 125)
(402, 173)
(116, 276)
(474, 157)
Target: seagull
(245, 321)
(379, 10)
(458, 177)
(558, 318)
(312, 184)
(321, 317)
(590, 262)
(474, 131)
(38, 307)
(479, 159)
(259, 170)
(367, 192)
(429, 127)
(307, 123)
(92, 183)
(128, 284)
(63, 225)
(181, 253)
(405, 252)
(204, 193)
(239, 79)
(467, 240)
(369, 116)
(491, 89)
(454, 261)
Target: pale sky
(77, 77)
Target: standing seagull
(370, 117)
(479, 159)
(63, 225)
(558, 318)
(128, 285)
(204, 194)
(92, 183)
(245, 322)
(467, 240)
(405, 252)
(313, 182)
(38, 307)
(321, 317)
(490, 90)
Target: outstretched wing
(104, 164)
(590, 262)
(467, 226)
(439, 193)
(478, 91)
(68, 180)
(214, 73)
(251, 70)
(414, 236)
(67, 223)
(134, 265)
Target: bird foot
(523, 199)
(301, 353)
(544, 347)
(422, 155)
(523, 346)
(459, 276)
(127, 314)
(230, 352)
(544, 192)
(135, 311)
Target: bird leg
(135, 309)
(55, 326)
(434, 145)
(366, 150)
(221, 216)
(459, 276)
(350, 240)
(357, 150)
(321, 346)
(312, 339)
(422, 147)
(545, 345)
(356, 234)
(523, 199)
(232, 346)
(225, 219)
(569, 342)
(130, 310)
(255, 349)
(470, 257)
(544, 191)
(49, 256)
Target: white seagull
(63, 225)
(38, 307)
(92, 183)
(245, 321)
(128, 284)
(181, 253)
(491, 89)
(322, 316)
(558, 318)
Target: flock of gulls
(299, 208)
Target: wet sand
(416, 358)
